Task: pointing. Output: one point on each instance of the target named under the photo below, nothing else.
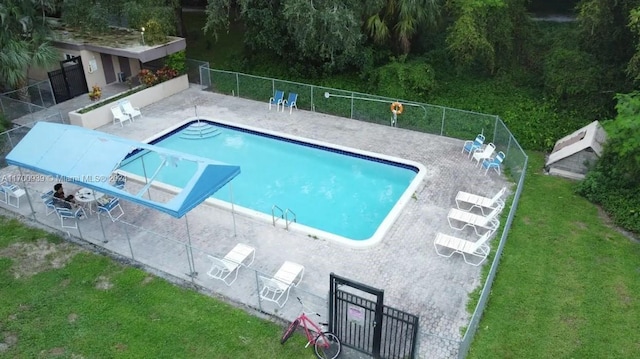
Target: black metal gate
(366, 324)
(68, 81)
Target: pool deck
(405, 265)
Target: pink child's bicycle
(326, 344)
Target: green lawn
(93, 307)
(567, 285)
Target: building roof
(89, 158)
(591, 136)
(117, 41)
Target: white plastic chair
(494, 163)
(129, 110)
(278, 287)
(471, 146)
(12, 191)
(118, 115)
(291, 102)
(223, 269)
(47, 199)
(277, 99)
(111, 208)
(481, 154)
(467, 201)
(459, 219)
(478, 249)
(70, 215)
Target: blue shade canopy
(87, 158)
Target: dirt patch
(147, 280)
(34, 257)
(10, 339)
(103, 283)
(72, 317)
(55, 352)
(580, 225)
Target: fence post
(40, 93)
(237, 85)
(9, 137)
(258, 290)
(444, 110)
(351, 106)
(126, 233)
(495, 128)
(53, 97)
(313, 107)
(273, 88)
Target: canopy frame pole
(24, 184)
(233, 210)
(192, 264)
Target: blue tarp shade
(77, 155)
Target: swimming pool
(333, 192)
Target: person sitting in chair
(60, 200)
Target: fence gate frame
(68, 81)
(351, 315)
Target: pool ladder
(283, 215)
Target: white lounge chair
(481, 154)
(478, 249)
(274, 289)
(467, 201)
(224, 268)
(459, 219)
(9, 191)
(129, 110)
(118, 115)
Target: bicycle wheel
(289, 331)
(327, 346)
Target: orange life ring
(396, 107)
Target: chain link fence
(438, 120)
(162, 244)
(174, 253)
(27, 100)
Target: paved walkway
(404, 264)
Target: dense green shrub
(412, 80)
(604, 186)
(177, 61)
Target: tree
(615, 181)
(483, 29)
(24, 40)
(623, 141)
(633, 67)
(319, 34)
(400, 20)
(603, 29)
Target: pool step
(199, 130)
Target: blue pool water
(331, 190)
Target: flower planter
(102, 115)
